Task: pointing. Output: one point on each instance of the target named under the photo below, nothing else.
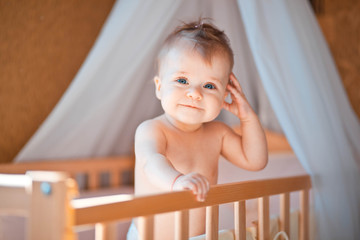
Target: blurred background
(44, 43)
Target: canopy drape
(305, 90)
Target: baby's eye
(182, 80)
(209, 86)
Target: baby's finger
(190, 184)
(205, 186)
(235, 82)
(197, 188)
(234, 92)
(226, 106)
(202, 190)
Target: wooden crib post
(51, 216)
(285, 213)
(304, 215)
(182, 225)
(240, 220)
(146, 227)
(212, 222)
(264, 218)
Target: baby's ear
(157, 82)
(227, 96)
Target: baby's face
(191, 90)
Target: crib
(50, 201)
(89, 174)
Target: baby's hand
(239, 105)
(195, 182)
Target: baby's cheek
(216, 108)
(166, 105)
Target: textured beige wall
(43, 44)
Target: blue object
(46, 188)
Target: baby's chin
(195, 121)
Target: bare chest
(189, 153)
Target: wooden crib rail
(86, 210)
(92, 167)
(90, 211)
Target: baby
(180, 149)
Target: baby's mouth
(190, 106)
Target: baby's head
(203, 38)
(194, 66)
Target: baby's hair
(205, 38)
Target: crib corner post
(51, 216)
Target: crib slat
(240, 220)
(182, 225)
(263, 212)
(212, 222)
(100, 231)
(304, 215)
(285, 213)
(115, 178)
(105, 231)
(146, 227)
(93, 180)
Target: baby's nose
(194, 94)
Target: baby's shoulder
(217, 126)
(150, 126)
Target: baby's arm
(150, 149)
(249, 150)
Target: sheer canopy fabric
(305, 91)
(276, 42)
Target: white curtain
(277, 42)
(305, 91)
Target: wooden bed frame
(49, 200)
(92, 168)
